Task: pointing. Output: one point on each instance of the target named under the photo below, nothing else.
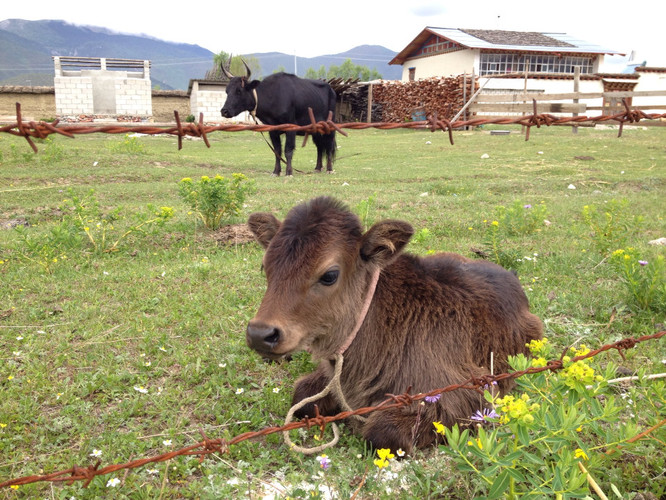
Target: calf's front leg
(309, 385)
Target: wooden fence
(520, 102)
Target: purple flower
(487, 387)
(432, 399)
(482, 416)
(643, 262)
(324, 461)
(527, 206)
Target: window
(412, 74)
(496, 64)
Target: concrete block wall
(133, 97)
(209, 103)
(74, 95)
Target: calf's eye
(329, 277)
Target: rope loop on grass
(333, 387)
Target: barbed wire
(41, 129)
(208, 446)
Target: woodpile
(402, 101)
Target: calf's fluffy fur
(433, 321)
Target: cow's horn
(225, 69)
(247, 68)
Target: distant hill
(28, 47)
(372, 56)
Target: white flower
(163, 349)
(96, 453)
(240, 390)
(112, 483)
(19, 338)
(147, 363)
(106, 274)
(222, 365)
(153, 472)
(400, 452)
(16, 354)
(167, 442)
(276, 390)
(141, 389)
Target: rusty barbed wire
(219, 445)
(41, 130)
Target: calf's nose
(262, 337)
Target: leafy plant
(130, 145)
(547, 441)
(609, 228)
(521, 219)
(364, 209)
(84, 214)
(495, 248)
(215, 199)
(645, 280)
(44, 249)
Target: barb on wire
(41, 130)
(208, 446)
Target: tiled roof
(503, 40)
(522, 38)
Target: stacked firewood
(403, 101)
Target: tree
(316, 74)
(237, 66)
(347, 70)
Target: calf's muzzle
(261, 337)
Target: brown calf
(431, 322)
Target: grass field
(130, 353)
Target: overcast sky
(311, 28)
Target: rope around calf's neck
(334, 384)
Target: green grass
(168, 311)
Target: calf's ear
(264, 226)
(385, 240)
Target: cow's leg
(317, 139)
(406, 428)
(277, 148)
(289, 146)
(309, 385)
(330, 151)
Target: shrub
(645, 280)
(214, 199)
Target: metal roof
(522, 41)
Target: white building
(450, 52)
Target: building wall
(74, 95)
(444, 65)
(165, 102)
(37, 103)
(102, 91)
(651, 80)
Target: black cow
(283, 98)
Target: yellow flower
(581, 454)
(537, 346)
(495, 223)
(439, 428)
(539, 362)
(384, 455)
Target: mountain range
(28, 48)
